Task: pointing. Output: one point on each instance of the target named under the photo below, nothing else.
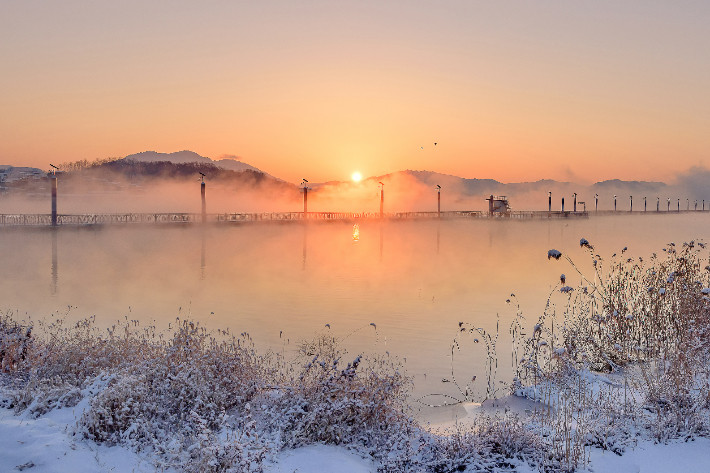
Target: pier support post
(54, 200)
(204, 202)
(438, 203)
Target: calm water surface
(281, 283)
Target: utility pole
(54, 194)
(382, 199)
(438, 200)
(204, 202)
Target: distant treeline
(85, 164)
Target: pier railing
(152, 218)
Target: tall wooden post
(438, 203)
(54, 200)
(204, 202)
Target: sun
(357, 176)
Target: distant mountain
(181, 157)
(464, 192)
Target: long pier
(42, 220)
(38, 220)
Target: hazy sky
(513, 91)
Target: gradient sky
(514, 91)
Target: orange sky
(513, 91)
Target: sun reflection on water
(356, 232)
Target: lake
(282, 283)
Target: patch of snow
(319, 459)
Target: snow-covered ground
(48, 444)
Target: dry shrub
(647, 324)
(189, 387)
(362, 403)
(15, 342)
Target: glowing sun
(356, 176)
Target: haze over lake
(282, 283)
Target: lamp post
(631, 200)
(563, 204)
(54, 194)
(305, 198)
(614, 203)
(644, 204)
(678, 204)
(596, 202)
(549, 201)
(204, 203)
(696, 205)
(658, 204)
(382, 199)
(438, 200)
(669, 204)
(687, 204)
(575, 202)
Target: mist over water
(281, 283)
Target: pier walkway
(40, 220)
(37, 220)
